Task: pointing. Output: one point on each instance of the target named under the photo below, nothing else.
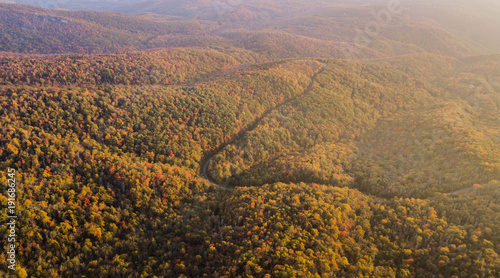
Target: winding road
(251, 127)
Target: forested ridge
(332, 167)
(283, 30)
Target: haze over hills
(273, 29)
(251, 138)
(476, 22)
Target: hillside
(27, 29)
(111, 168)
(338, 134)
(249, 139)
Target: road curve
(251, 127)
(207, 176)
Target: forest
(381, 163)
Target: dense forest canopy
(250, 138)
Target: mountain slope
(383, 163)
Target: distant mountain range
(277, 29)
